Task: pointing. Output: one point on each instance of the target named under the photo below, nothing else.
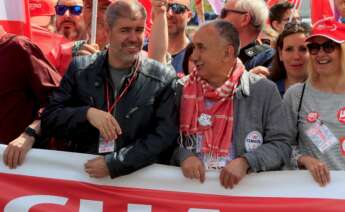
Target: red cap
(41, 8)
(330, 29)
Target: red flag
(14, 16)
(147, 5)
(321, 9)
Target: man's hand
(16, 150)
(233, 172)
(261, 71)
(159, 6)
(88, 49)
(193, 168)
(105, 123)
(318, 169)
(97, 167)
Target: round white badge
(253, 140)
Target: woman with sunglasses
(316, 108)
(289, 62)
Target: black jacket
(147, 113)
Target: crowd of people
(236, 95)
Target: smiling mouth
(323, 62)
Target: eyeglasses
(177, 8)
(224, 12)
(328, 47)
(74, 10)
(293, 19)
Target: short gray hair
(131, 9)
(257, 9)
(228, 32)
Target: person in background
(289, 65)
(316, 109)
(340, 10)
(249, 18)
(69, 19)
(280, 15)
(230, 119)
(27, 80)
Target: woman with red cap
(316, 109)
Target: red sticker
(342, 146)
(341, 115)
(312, 117)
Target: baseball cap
(41, 11)
(330, 29)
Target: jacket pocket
(146, 107)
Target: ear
(189, 15)
(229, 53)
(246, 18)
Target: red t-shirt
(27, 78)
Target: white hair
(257, 9)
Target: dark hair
(185, 63)
(131, 9)
(278, 70)
(277, 11)
(228, 32)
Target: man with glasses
(178, 15)
(249, 17)
(69, 19)
(168, 36)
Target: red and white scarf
(216, 137)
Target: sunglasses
(328, 47)
(74, 10)
(224, 12)
(177, 8)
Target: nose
(170, 12)
(67, 13)
(132, 36)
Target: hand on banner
(318, 169)
(261, 71)
(233, 172)
(16, 150)
(105, 123)
(97, 167)
(193, 168)
(88, 49)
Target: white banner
(58, 178)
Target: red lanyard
(124, 91)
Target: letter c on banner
(23, 204)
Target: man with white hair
(249, 17)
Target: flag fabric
(55, 181)
(321, 9)
(14, 17)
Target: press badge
(212, 163)
(321, 136)
(106, 146)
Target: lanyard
(124, 91)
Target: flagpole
(297, 2)
(94, 21)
